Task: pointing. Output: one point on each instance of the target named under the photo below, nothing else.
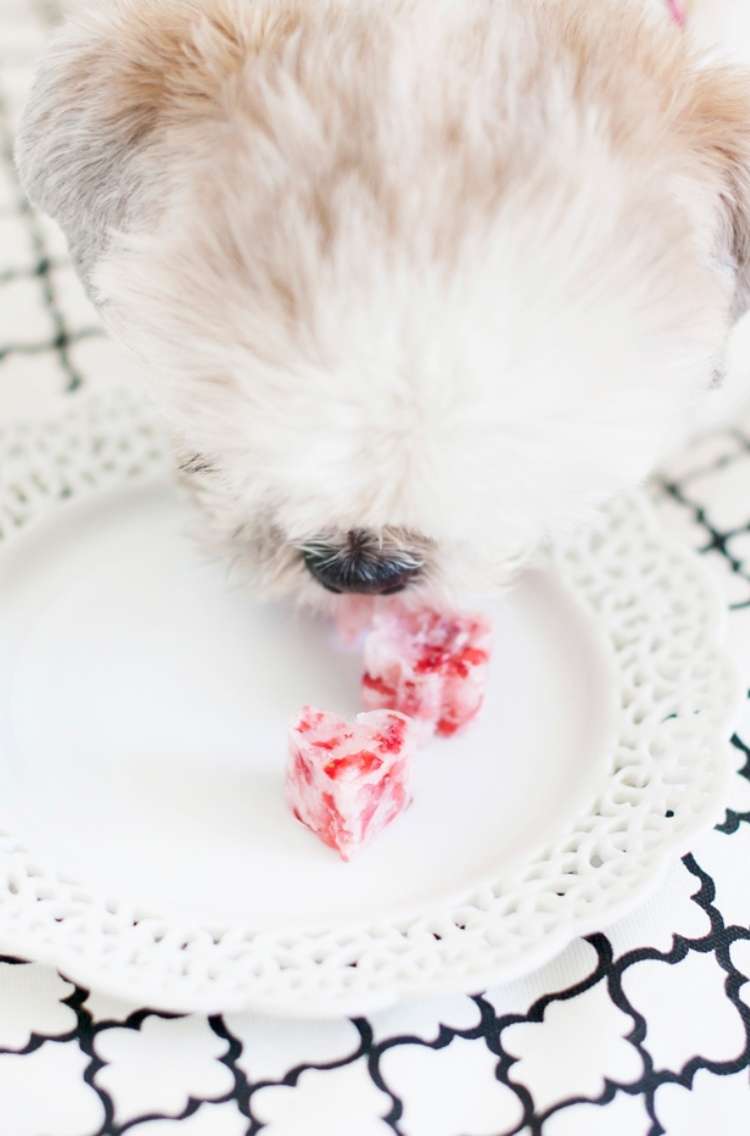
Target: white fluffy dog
(417, 283)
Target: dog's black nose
(358, 565)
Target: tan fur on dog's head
(715, 121)
(447, 274)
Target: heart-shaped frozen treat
(347, 781)
(429, 665)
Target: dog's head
(416, 284)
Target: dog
(417, 284)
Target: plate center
(144, 700)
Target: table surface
(636, 1032)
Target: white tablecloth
(639, 1031)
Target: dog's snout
(360, 565)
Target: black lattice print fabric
(637, 1032)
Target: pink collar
(677, 11)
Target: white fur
(361, 321)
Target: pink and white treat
(677, 11)
(429, 665)
(347, 781)
(354, 616)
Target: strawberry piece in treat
(429, 665)
(677, 11)
(347, 781)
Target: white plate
(145, 847)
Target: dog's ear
(116, 89)
(715, 112)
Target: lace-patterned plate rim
(653, 603)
